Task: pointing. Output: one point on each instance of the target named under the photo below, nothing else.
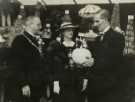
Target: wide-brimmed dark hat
(67, 25)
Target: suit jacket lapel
(33, 39)
(106, 35)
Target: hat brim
(68, 27)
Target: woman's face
(68, 33)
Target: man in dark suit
(108, 51)
(29, 63)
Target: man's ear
(31, 26)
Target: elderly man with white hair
(29, 63)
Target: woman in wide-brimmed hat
(68, 78)
(68, 83)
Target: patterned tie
(40, 46)
(101, 36)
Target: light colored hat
(89, 10)
(66, 25)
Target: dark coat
(62, 70)
(108, 55)
(29, 64)
(56, 59)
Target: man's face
(98, 23)
(36, 25)
(47, 33)
(68, 33)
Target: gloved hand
(26, 90)
(85, 82)
(56, 87)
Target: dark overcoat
(108, 54)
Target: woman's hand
(56, 87)
(26, 90)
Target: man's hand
(90, 36)
(26, 90)
(56, 87)
(85, 82)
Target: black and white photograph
(67, 50)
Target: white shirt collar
(69, 44)
(106, 29)
(30, 33)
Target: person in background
(2, 41)
(47, 34)
(6, 11)
(29, 63)
(108, 53)
(47, 38)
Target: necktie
(101, 36)
(40, 46)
